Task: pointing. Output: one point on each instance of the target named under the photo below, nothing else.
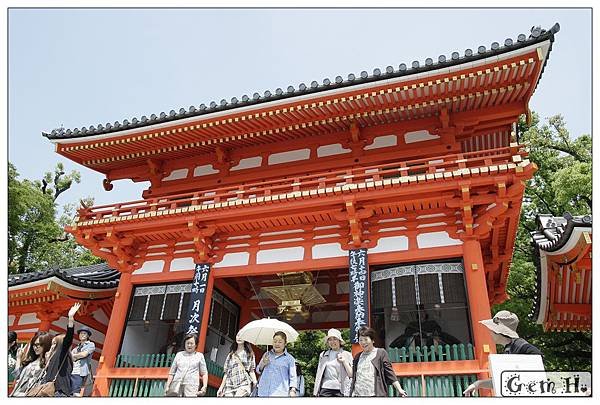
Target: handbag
(174, 389)
(175, 386)
(247, 373)
(47, 389)
(42, 390)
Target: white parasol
(261, 331)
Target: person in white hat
(334, 372)
(503, 327)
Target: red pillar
(114, 333)
(479, 303)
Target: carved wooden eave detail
(355, 140)
(354, 217)
(203, 237)
(155, 172)
(120, 252)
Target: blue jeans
(76, 383)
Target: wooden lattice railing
(331, 182)
(151, 387)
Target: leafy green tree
(563, 183)
(36, 239)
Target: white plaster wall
(62, 322)
(176, 175)
(151, 266)
(280, 255)
(100, 316)
(11, 319)
(234, 259)
(248, 163)
(204, 170)
(330, 150)
(390, 244)
(328, 250)
(28, 318)
(289, 156)
(383, 142)
(436, 239)
(182, 263)
(419, 136)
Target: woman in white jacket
(334, 373)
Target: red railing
(435, 166)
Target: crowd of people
(48, 366)
(277, 374)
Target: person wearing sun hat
(503, 327)
(82, 360)
(334, 372)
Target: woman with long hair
(60, 363)
(239, 376)
(187, 369)
(31, 362)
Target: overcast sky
(82, 67)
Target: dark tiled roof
(98, 276)
(552, 234)
(536, 35)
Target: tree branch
(543, 202)
(569, 151)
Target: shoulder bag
(247, 373)
(47, 389)
(175, 385)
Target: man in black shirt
(503, 328)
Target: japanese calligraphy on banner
(359, 293)
(197, 298)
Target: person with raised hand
(60, 363)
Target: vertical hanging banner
(197, 298)
(359, 293)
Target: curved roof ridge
(536, 35)
(99, 276)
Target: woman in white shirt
(187, 368)
(334, 372)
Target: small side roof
(96, 276)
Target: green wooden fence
(127, 387)
(159, 360)
(435, 386)
(431, 353)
